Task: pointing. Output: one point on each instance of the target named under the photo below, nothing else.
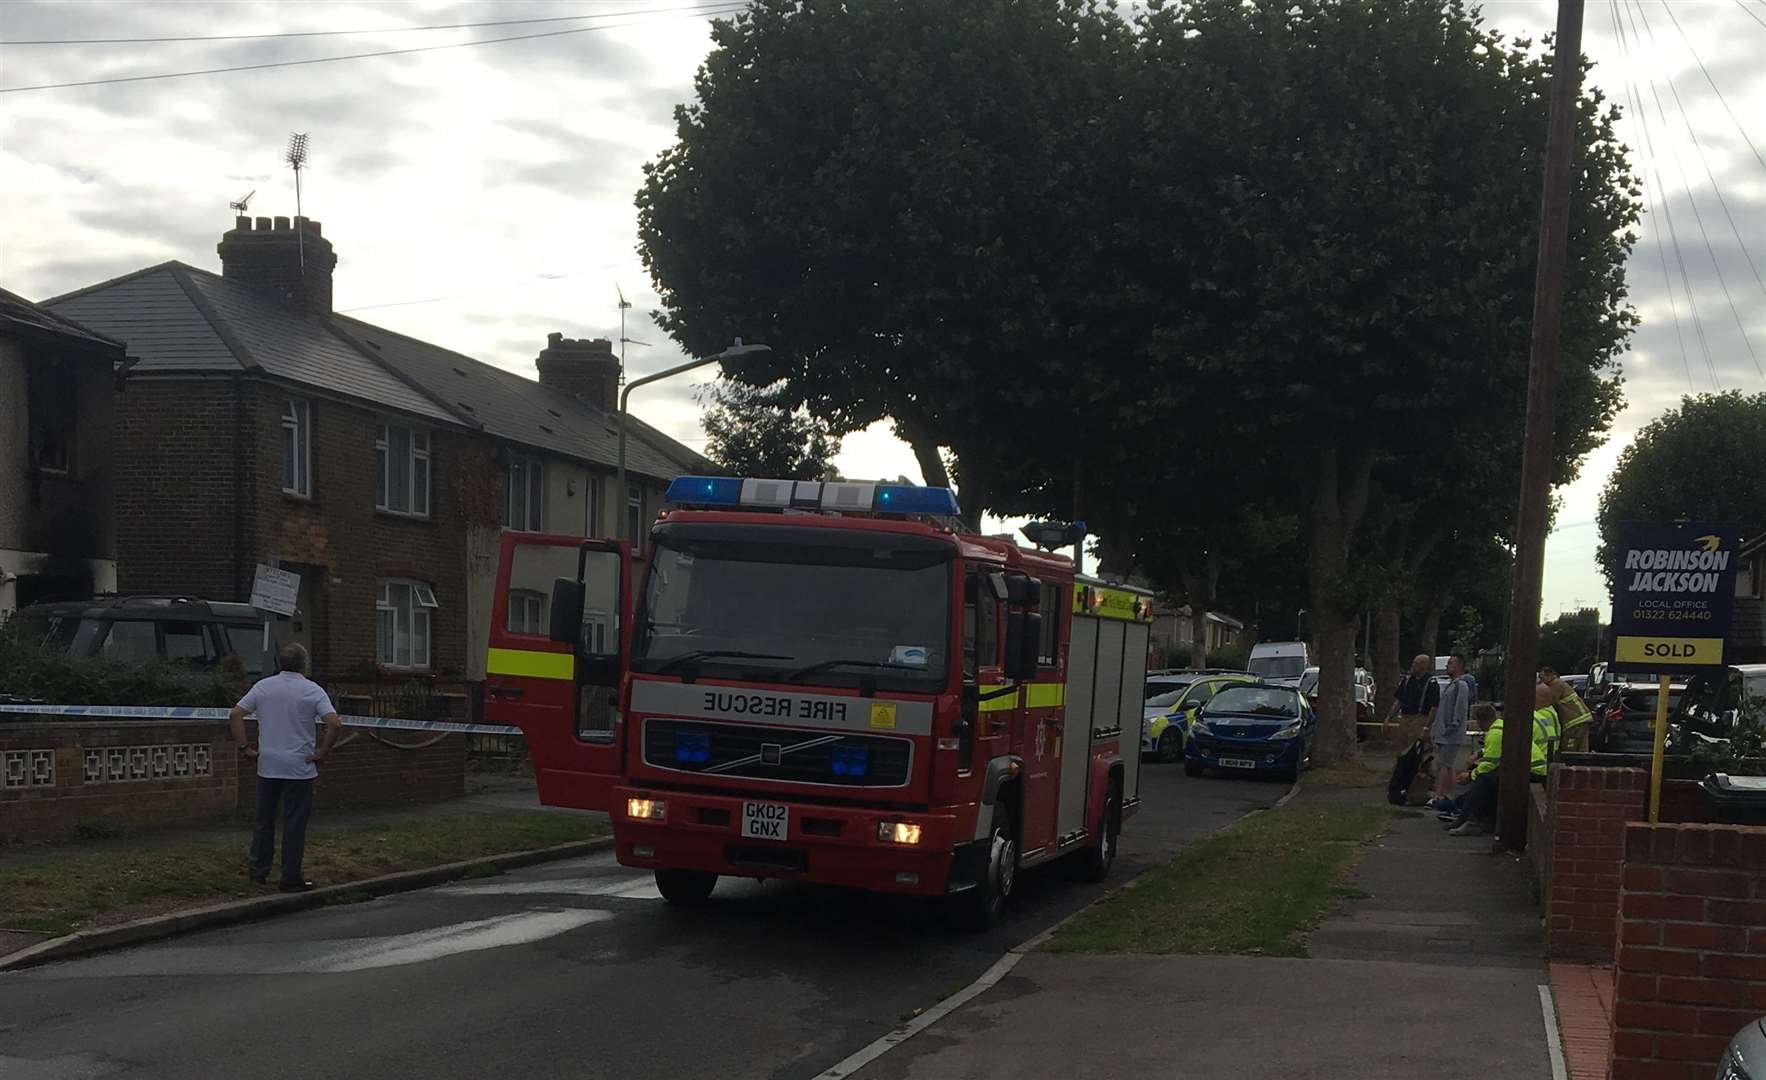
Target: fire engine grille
(754, 752)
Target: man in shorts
(1448, 731)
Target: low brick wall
(371, 769)
(56, 777)
(1691, 966)
(1586, 814)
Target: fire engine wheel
(982, 907)
(685, 887)
(1103, 854)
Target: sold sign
(1674, 587)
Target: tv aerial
(624, 306)
(242, 204)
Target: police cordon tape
(189, 712)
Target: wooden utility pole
(1522, 654)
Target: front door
(561, 694)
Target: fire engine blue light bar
(777, 494)
(905, 499)
(705, 491)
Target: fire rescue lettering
(730, 702)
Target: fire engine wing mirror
(567, 611)
(1023, 635)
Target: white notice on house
(274, 590)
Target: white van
(1280, 662)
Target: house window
(525, 507)
(402, 624)
(401, 470)
(53, 408)
(634, 509)
(527, 612)
(297, 448)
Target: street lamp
(737, 351)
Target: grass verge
(81, 890)
(1369, 772)
(1254, 888)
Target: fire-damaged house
(58, 381)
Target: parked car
(1167, 715)
(1625, 713)
(1364, 693)
(1707, 711)
(1256, 728)
(1745, 1059)
(135, 629)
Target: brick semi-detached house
(259, 426)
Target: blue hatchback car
(1252, 729)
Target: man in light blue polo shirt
(288, 707)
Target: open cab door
(557, 655)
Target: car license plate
(765, 820)
(1237, 763)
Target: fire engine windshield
(796, 604)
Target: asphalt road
(573, 969)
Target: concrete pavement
(571, 969)
(1441, 948)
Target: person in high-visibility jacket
(1479, 805)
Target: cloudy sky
(480, 197)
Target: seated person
(1478, 806)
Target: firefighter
(1574, 720)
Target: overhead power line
(1640, 122)
(316, 33)
(711, 11)
(1721, 201)
(1750, 13)
(1698, 219)
(1698, 324)
(1720, 98)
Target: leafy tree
(1569, 642)
(899, 198)
(753, 431)
(1344, 200)
(1700, 462)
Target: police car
(1169, 711)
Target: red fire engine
(825, 682)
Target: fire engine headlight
(646, 809)
(898, 832)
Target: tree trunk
(1202, 595)
(1339, 498)
(1430, 642)
(1386, 664)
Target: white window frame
(524, 502)
(297, 447)
(418, 460)
(402, 622)
(597, 627)
(634, 515)
(527, 602)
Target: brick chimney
(584, 368)
(270, 257)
